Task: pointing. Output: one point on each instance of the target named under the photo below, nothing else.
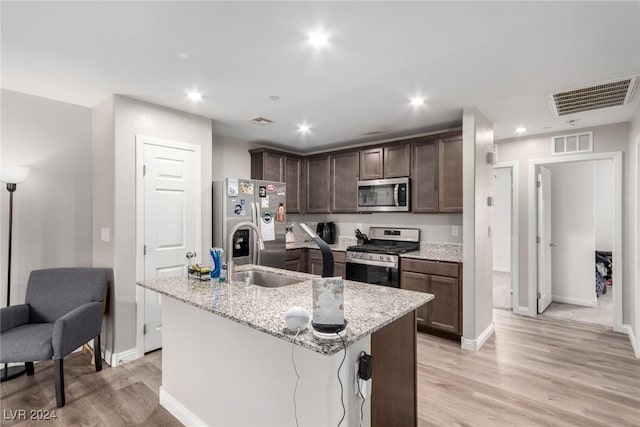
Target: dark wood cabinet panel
(344, 182)
(394, 393)
(424, 176)
(339, 269)
(268, 166)
(397, 162)
(315, 262)
(418, 282)
(318, 184)
(371, 163)
(450, 175)
(293, 178)
(444, 314)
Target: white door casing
(168, 222)
(545, 243)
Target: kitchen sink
(264, 279)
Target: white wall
(573, 232)
(131, 118)
(501, 223)
(477, 289)
(633, 254)
(433, 227)
(603, 201)
(230, 157)
(52, 208)
(608, 138)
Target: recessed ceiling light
(318, 38)
(416, 101)
(194, 96)
(304, 128)
(521, 130)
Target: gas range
(385, 247)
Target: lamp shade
(13, 174)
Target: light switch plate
(105, 234)
(454, 230)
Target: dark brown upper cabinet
(450, 174)
(397, 162)
(371, 163)
(267, 165)
(318, 170)
(344, 182)
(293, 177)
(424, 176)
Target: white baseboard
(476, 344)
(115, 359)
(575, 301)
(178, 410)
(522, 311)
(629, 331)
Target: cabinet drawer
(338, 256)
(293, 254)
(439, 268)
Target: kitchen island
(227, 356)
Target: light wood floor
(533, 372)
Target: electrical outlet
(105, 234)
(454, 230)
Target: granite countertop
(451, 252)
(342, 244)
(367, 308)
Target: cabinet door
(450, 175)
(315, 266)
(292, 177)
(424, 176)
(397, 161)
(344, 182)
(339, 269)
(444, 310)
(293, 264)
(318, 185)
(371, 164)
(272, 167)
(418, 282)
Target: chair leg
(97, 353)
(59, 379)
(29, 368)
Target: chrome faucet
(230, 244)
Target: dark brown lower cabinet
(394, 392)
(443, 315)
(315, 263)
(296, 260)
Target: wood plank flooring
(533, 372)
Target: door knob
(191, 255)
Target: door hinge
(539, 295)
(144, 170)
(144, 329)
(537, 239)
(510, 291)
(144, 249)
(538, 184)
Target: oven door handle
(374, 263)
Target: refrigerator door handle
(256, 250)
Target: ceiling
(503, 58)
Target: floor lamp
(11, 175)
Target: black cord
(362, 353)
(344, 410)
(295, 389)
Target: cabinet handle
(419, 319)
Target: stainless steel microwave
(383, 195)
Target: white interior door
(170, 226)
(545, 244)
(501, 230)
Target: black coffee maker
(327, 231)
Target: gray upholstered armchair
(62, 311)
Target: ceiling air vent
(260, 121)
(602, 95)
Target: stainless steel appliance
(378, 262)
(383, 195)
(261, 202)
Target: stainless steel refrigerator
(260, 202)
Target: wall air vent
(260, 121)
(601, 95)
